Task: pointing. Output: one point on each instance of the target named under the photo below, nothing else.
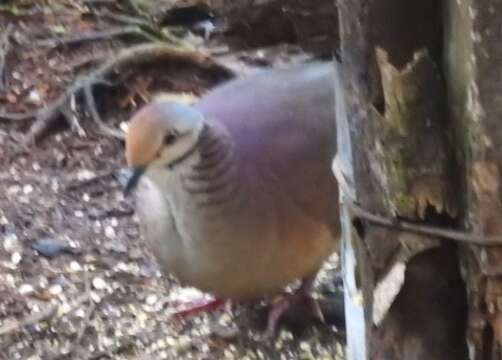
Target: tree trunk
(473, 67)
(399, 156)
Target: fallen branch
(4, 51)
(97, 35)
(125, 58)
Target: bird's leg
(302, 296)
(198, 306)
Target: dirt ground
(75, 279)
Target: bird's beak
(133, 179)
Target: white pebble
(85, 174)
(75, 266)
(78, 213)
(305, 346)
(151, 299)
(56, 289)
(99, 284)
(34, 97)
(11, 243)
(95, 297)
(25, 289)
(15, 258)
(109, 232)
(27, 189)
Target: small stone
(152, 299)
(86, 197)
(56, 290)
(34, 97)
(79, 214)
(26, 289)
(49, 247)
(27, 189)
(95, 297)
(85, 174)
(170, 341)
(11, 243)
(99, 284)
(16, 258)
(304, 346)
(75, 266)
(109, 232)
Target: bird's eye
(169, 138)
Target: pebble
(49, 247)
(11, 243)
(109, 232)
(152, 299)
(16, 258)
(99, 284)
(56, 290)
(27, 189)
(26, 289)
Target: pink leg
(302, 295)
(198, 306)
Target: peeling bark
(398, 159)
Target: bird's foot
(287, 302)
(198, 306)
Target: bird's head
(160, 134)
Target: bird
(235, 193)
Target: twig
(97, 35)
(4, 51)
(145, 25)
(125, 19)
(13, 116)
(49, 312)
(456, 235)
(127, 57)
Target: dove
(235, 193)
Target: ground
(76, 281)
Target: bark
(474, 71)
(398, 159)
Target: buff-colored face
(160, 134)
